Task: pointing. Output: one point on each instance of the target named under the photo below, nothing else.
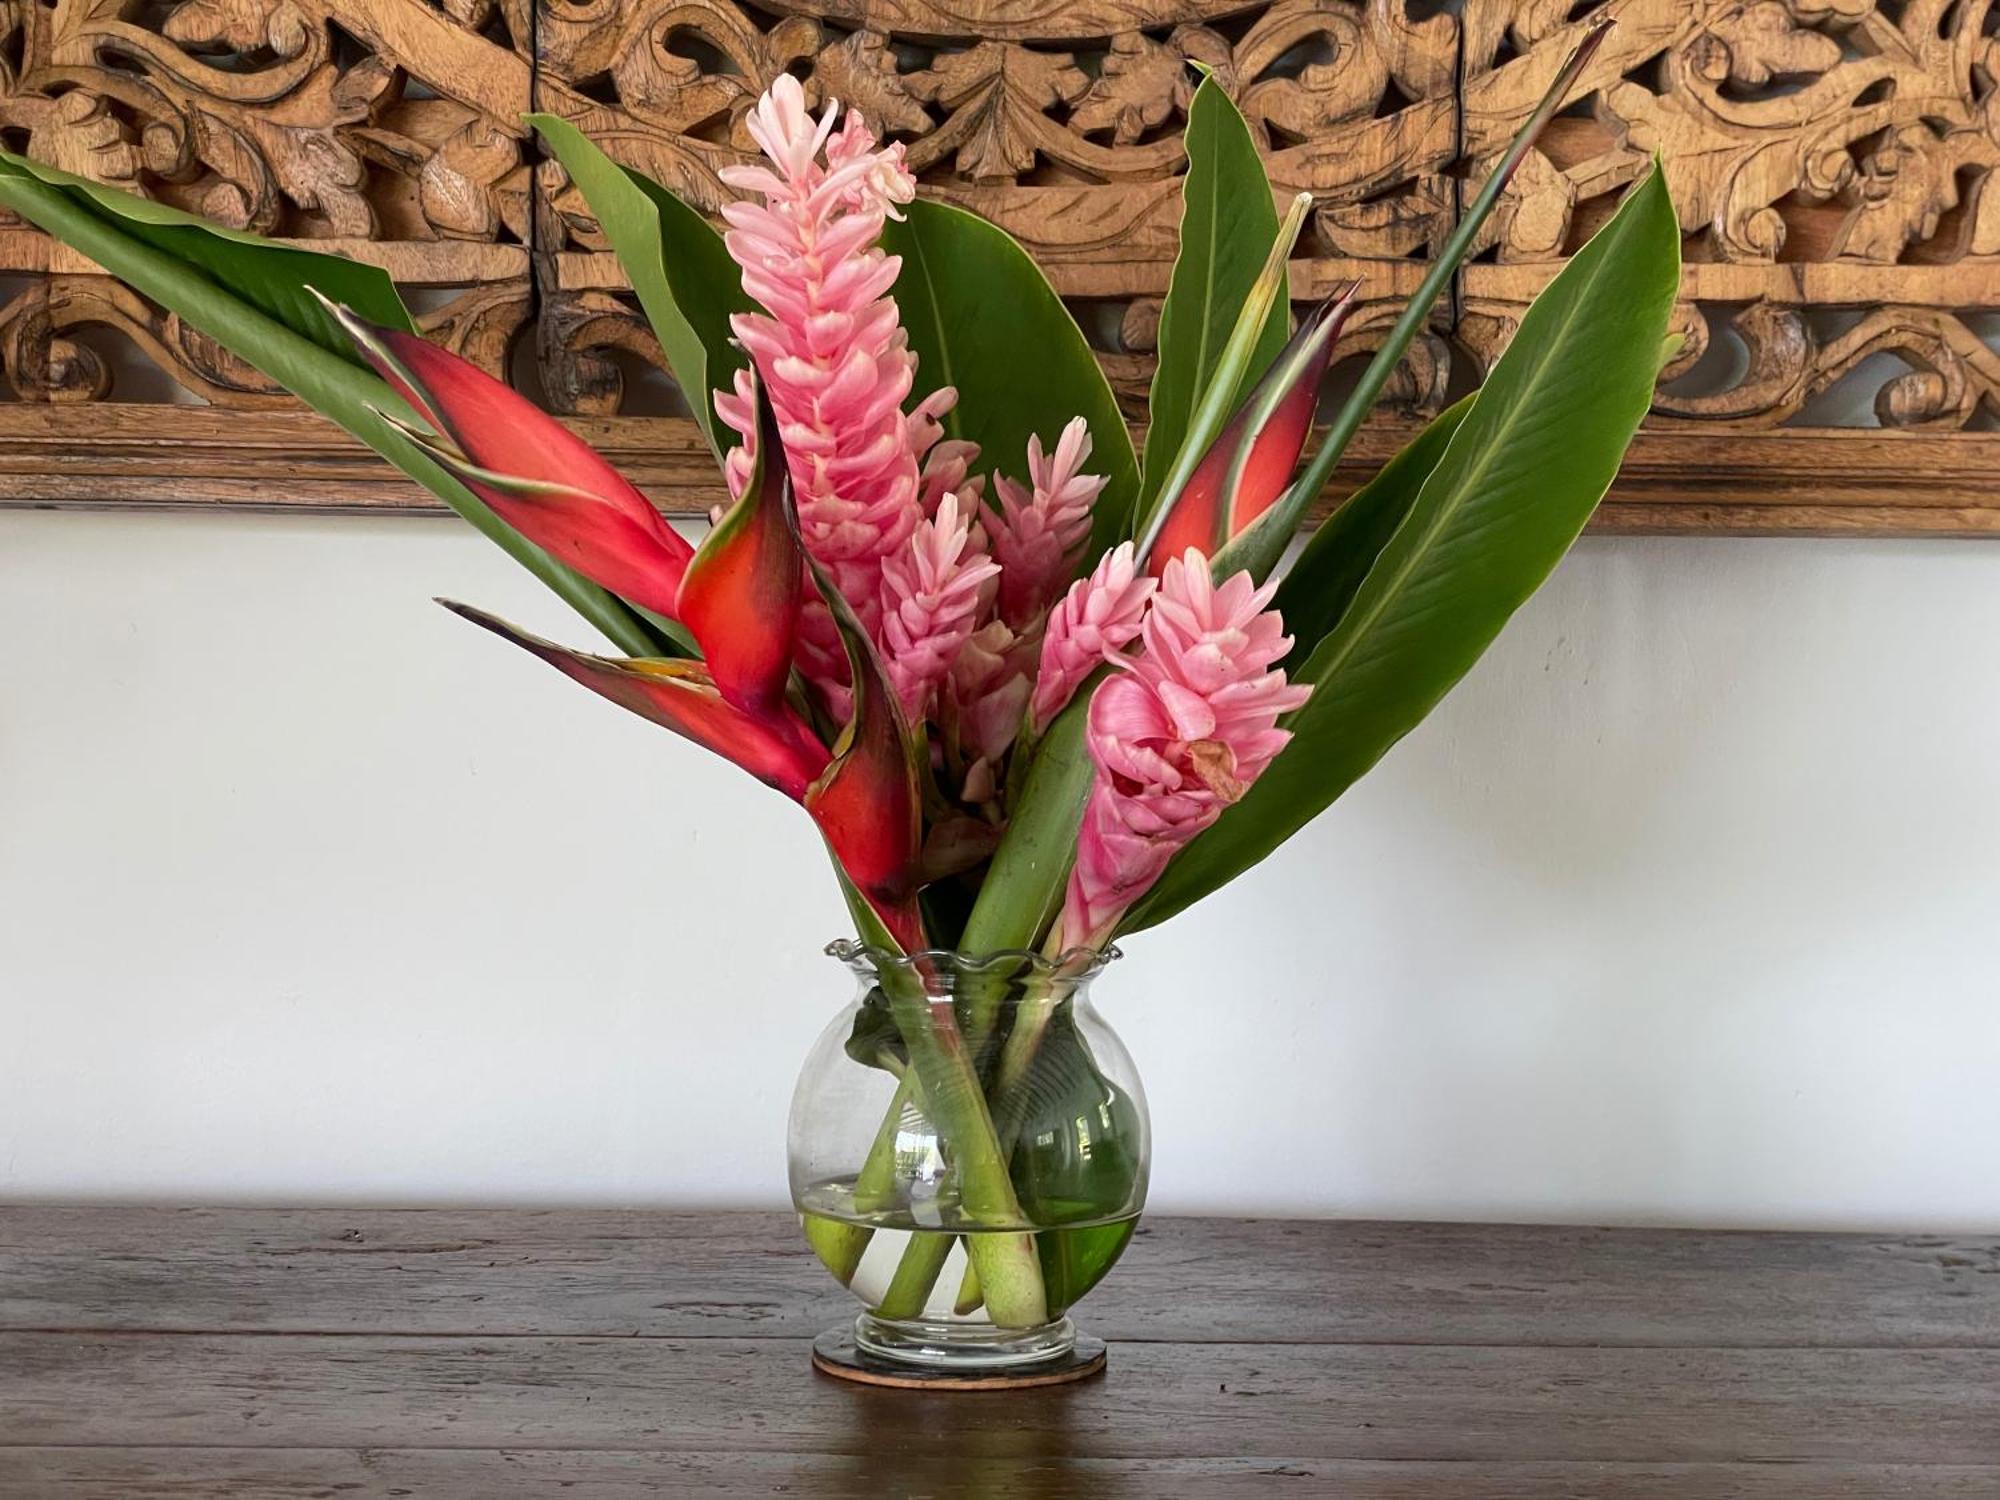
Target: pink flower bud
(1040, 529)
(1097, 619)
(930, 600)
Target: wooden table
(457, 1354)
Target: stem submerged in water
(983, 992)
(1009, 1269)
(840, 1245)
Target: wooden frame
(1830, 159)
(1676, 480)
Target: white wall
(1682, 909)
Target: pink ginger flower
(930, 604)
(1040, 529)
(1097, 619)
(831, 354)
(947, 461)
(739, 414)
(1177, 736)
(988, 694)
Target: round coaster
(835, 1354)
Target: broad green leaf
(676, 262)
(270, 276)
(329, 383)
(1228, 222)
(982, 317)
(1316, 591)
(1258, 549)
(1074, 1154)
(1514, 486)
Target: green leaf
(1516, 483)
(982, 317)
(676, 262)
(271, 277)
(873, 1040)
(166, 267)
(1075, 1259)
(1259, 548)
(1228, 224)
(1329, 570)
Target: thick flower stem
(1031, 1022)
(1009, 1269)
(969, 1295)
(840, 1245)
(910, 1288)
(981, 993)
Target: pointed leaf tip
(677, 695)
(1259, 551)
(1206, 427)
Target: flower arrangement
(1036, 687)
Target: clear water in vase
(920, 1268)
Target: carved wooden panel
(1061, 123)
(1830, 160)
(389, 132)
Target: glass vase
(968, 1150)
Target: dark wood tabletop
(458, 1354)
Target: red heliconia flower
(740, 595)
(681, 696)
(862, 794)
(868, 804)
(742, 592)
(1251, 462)
(538, 476)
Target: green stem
(916, 1273)
(982, 991)
(970, 1296)
(838, 1244)
(1031, 1024)
(1009, 1269)
(875, 1183)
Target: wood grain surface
(155, 1352)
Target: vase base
(836, 1353)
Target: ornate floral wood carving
(1061, 123)
(386, 131)
(1831, 160)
